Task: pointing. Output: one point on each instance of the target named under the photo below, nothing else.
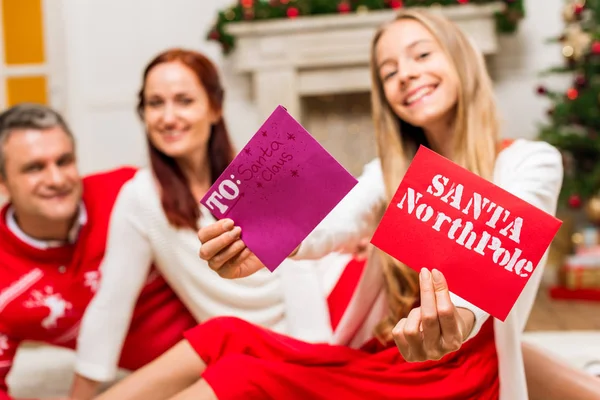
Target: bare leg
(549, 378)
(169, 374)
(198, 391)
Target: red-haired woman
(156, 218)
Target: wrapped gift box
(582, 270)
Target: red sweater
(40, 303)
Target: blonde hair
(476, 135)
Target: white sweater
(530, 170)
(292, 300)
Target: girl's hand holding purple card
(277, 190)
(225, 252)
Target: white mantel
(287, 59)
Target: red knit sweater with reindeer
(44, 292)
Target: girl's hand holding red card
(436, 327)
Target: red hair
(177, 200)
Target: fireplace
(318, 68)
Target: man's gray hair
(28, 116)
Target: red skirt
(245, 361)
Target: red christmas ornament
(596, 48)
(463, 1)
(574, 201)
(572, 94)
(396, 4)
(580, 81)
(292, 12)
(247, 3)
(578, 9)
(343, 7)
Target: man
(53, 232)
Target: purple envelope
(278, 188)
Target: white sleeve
(353, 219)
(532, 171)
(124, 270)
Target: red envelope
(486, 241)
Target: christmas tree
(255, 10)
(573, 122)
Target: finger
(400, 339)
(429, 314)
(363, 243)
(214, 230)
(414, 336)
(361, 251)
(216, 262)
(211, 248)
(235, 268)
(447, 313)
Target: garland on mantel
(258, 10)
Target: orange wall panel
(23, 32)
(26, 89)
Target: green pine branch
(573, 126)
(259, 10)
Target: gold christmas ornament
(577, 239)
(568, 51)
(592, 209)
(577, 39)
(229, 14)
(568, 12)
(362, 9)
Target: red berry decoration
(578, 9)
(463, 1)
(572, 94)
(292, 12)
(541, 90)
(343, 7)
(396, 4)
(574, 201)
(596, 48)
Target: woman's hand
(436, 328)
(225, 251)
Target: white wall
(108, 42)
